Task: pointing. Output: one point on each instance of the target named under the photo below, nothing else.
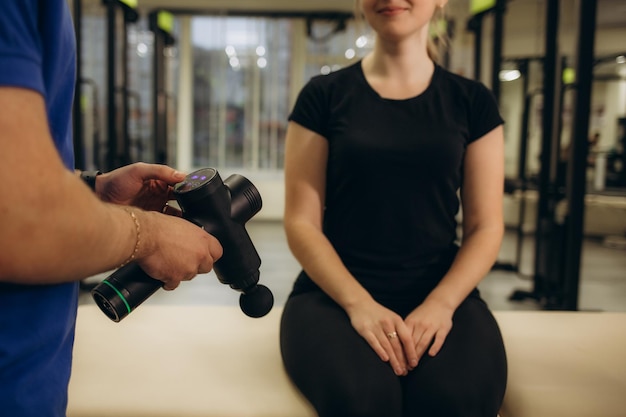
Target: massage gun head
(256, 302)
(222, 208)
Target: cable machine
(561, 207)
(101, 129)
(546, 206)
(120, 13)
(521, 183)
(479, 10)
(86, 117)
(579, 151)
(77, 120)
(161, 23)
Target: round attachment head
(256, 302)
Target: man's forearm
(63, 234)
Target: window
(246, 73)
(241, 91)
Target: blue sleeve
(20, 45)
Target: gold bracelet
(138, 241)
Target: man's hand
(174, 250)
(147, 186)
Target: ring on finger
(392, 335)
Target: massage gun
(221, 209)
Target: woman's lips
(391, 11)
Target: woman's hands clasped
(429, 325)
(400, 342)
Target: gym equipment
(221, 208)
(479, 9)
(120, 15)
(559, 233)
(161, 24)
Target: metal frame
(576, 178)
(162, 40)
(475, 24)
(118, 149)
(77, 120)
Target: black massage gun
(221, 209)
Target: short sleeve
(20, 45)
(484, 113)
(311, 108)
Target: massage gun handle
(124, 290)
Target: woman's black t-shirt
(393, 173)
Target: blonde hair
(437, 40)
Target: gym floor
(602, 276)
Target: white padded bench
(210, 361)
(564, 364)
(181, 361)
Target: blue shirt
(37, 52)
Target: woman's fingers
(440, 337)
(423, 342)
(408, 347)
(393, 345)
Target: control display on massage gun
(221, 208)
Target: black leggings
(342, 376)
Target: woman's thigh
(468, 376)
(331, 364)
